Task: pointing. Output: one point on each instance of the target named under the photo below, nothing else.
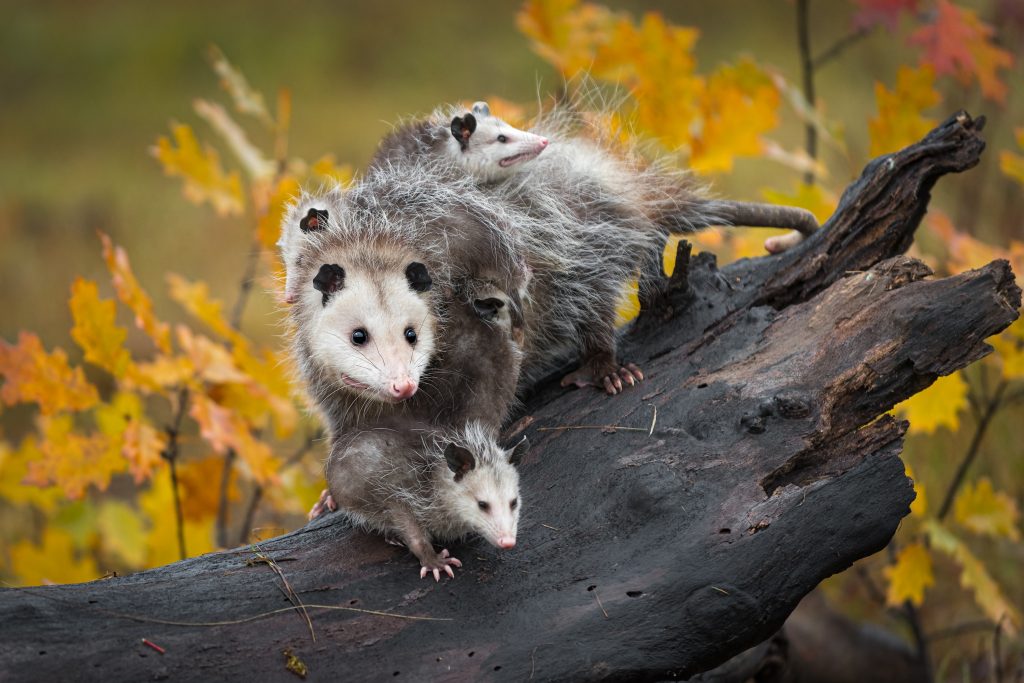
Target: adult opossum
(409, 480)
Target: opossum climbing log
(664, 530)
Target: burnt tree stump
(649, 548)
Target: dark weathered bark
(654, 552)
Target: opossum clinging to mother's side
(408, 480)
(481, 144)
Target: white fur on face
(494, 482)
(383, 307)
(496, 149)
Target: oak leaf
(74, 460)
(1013, 164)
(937, 406)
(899, 122)
(985, 511)
(55, 560)
(31, 374)
(133, 296)
(95, 329)
(14, 466)
(195, 298)
(205, 180)
(910, 576)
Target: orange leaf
(13, 471)
(1013, 164)
(195, 298)
(205, 180)
(268, 229)
(899, 121)
(124, 423)
(133, 296)
(30, 374)
(958, 43)
(96, 330)
(211, 361)
(200, 487)
(223, 429)
(72, 460)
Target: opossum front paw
(325, 504)
(613, 380)
(442, 562)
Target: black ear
(487, 309)
(316, 219)
(418, 277)
(329, 280)
(516, 456)
(460, 461)
(462, 129)
(481, 109)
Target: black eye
(502, 138)
(484, 505)
(359, 337)
(513, 504)
(410, 335)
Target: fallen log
(664, 531)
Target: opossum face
(487, 487)
(489, 148)
(374, 329)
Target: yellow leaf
(133, 296)
(324, 168)
(54, 561)
(899, 121)
(157, 504)
(814, 198)
(13, 471)
(204, 178)
(1013, 164)
(910, 576)
(979, 508)
(122, 533)
(125, 424)
(1010, 347)
(920, 505)
(974, 576)
(72, 460)
(162, 373)
(268, 229)
(629, 308)
(247, 99)
(31, 374)
(195, 298)
(937, 406)
(96, 330)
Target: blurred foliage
(169, 432)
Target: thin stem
(991, 408)
(170, 454)
(222, 506)
(245, 287)
(841, 45)
(923, 655)
(807, 70)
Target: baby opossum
(404, 478)
(477, 142)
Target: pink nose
(507, 542)
(543, 143)
(403, 389)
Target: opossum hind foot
(441, 562)
(325, 504)
(613, 378)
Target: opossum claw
(325, 504)
(636, 372)
(443, 561)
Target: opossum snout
(403, 389)
(542, 143)
(506, 542)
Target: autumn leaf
(956, 42)
(326, 168)
(268, 229)
(195, 298)
(984, 511)
(1013, 164)
(1010, 347)
(160, 374)
(937, 406)
(973, 575)
(123, 421)
(885, 12)
(200, 487)
(564, 32)
(132, 295)
(161, 544)
(899, 122)
(910, 576)
(31, 374)
(95, 329)
(965, 252)
(53, 561)
(224, 429)
(14, 466)
(259, 168)
(629, 307)
(73, 460)
(205, 180)
(211, 361)
(122, 533)
(247, 99)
